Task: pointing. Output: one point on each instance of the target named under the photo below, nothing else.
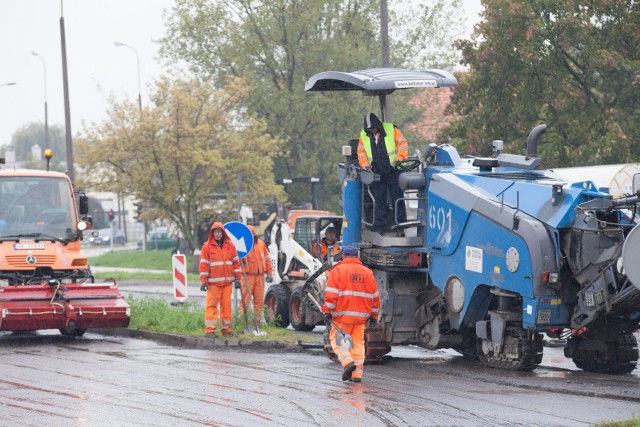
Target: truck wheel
(298, 311)
(617, 354)
(276, 303)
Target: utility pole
(385, 101)
(239, 196)
(67, 108)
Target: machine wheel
(298, 311)
(276, 303)
(615, 354)
(71, 331)
(523, 352)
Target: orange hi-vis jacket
(351, 294)
(257, 260)
(219, 266)
(397, 146)
(324, 249)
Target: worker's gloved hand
(327, 318)
(372, 323)
(236, 284)
(204, 287)
(367, 167)
(269, 278)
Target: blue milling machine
(495, 251)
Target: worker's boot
(348, 371)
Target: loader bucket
(59, 306)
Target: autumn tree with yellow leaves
(179, 154)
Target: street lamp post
(118, 44)
(46, 113)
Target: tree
(573, 65)
(34, 133)
(276, 45)
(175, 156)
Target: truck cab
(40, 228)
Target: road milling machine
(496, 251)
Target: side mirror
(83, 204)
(635, 187)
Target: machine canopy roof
(379, 81)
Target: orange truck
(45, 279)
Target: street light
(8, 84)
(118, 44)
(46, 114)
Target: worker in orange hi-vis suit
(329, 239)
(219, 269)
(351, 299)
(256, 264)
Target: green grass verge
(153, 260)
(123, 275)
(627, 423)
(188, 319)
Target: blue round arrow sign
(240, 236)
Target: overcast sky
(96, 67)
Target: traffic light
(111, 215)
(138, 211)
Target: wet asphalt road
(121, 381)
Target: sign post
(179, 267)
(240, 236)
(242, 239)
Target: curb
(206, 343)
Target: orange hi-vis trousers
(256, 292)
(218, 295)
(346, 355)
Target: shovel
(257, 330)
(343, 339)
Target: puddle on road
(550, 373)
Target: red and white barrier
(179, 264)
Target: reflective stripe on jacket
(258, 261)
(219, 266)
(397, 147)
(351, 294)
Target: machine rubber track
(529, 351)
(375, 345)
(616, 355)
